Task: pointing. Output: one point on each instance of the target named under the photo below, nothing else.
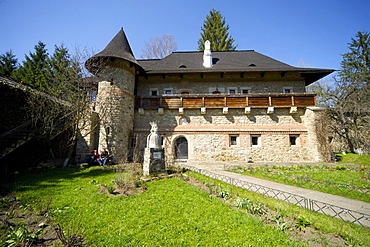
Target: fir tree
(8, 65)
(64, 72)
(216, 31)
(35, 70)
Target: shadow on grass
(41, 179)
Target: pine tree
(35, 70)
(8, 65)
(348, 99)
(355, 66)
(64, 72)
(216, 31)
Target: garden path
(337, 206)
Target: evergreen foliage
(216, 31)
(355, 67)
(8, 65)
(349, 98)
(64, 72)
(35, 70)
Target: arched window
(181, 148)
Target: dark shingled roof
(192, 62)
(227, 61)
(118, 47)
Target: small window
(216, 90)
(288, 90)
(294, 140)
(245, 90)
(168, 91)
(133, 142)
(154, 92)
(93, 96)
(232, 90)
(255, 140)
(184, 121)
(234, 140)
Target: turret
(116, 67)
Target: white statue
(153, 139)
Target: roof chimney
(207, 56)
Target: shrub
(302, 222)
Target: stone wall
(115, 106)
(271, 82)
(209, 135)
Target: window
(245, 90)
(232, 90)
(234, 140)
(133, 142)
(294, 140)
(288, 90)
(216, 90)
(153, 92)
(168, 91)
(255, 140)
(93, 96)
(184, 121)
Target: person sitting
(103, 157)
(94, 157)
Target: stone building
(209, 106)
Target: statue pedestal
(153, 161)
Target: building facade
(209, 106)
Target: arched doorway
(181, 148)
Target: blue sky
(310, 33)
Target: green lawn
(352, 181)
(355, 159)
(170, 213)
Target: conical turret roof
(118, 47)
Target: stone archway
(181, 148)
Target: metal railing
(314, 205)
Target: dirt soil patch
(21, 225)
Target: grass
(351, 181)
(355, 159)
(284, 212)
(170, 213)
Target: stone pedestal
(153, 161)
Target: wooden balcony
(211, 101)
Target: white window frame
(259, 140)
(232, 88)
(297, 140)
(288, 88)
(236, 142)
(184, 121)
(168, 89)
(245, 88)
(151, 90)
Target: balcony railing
(196, 101)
